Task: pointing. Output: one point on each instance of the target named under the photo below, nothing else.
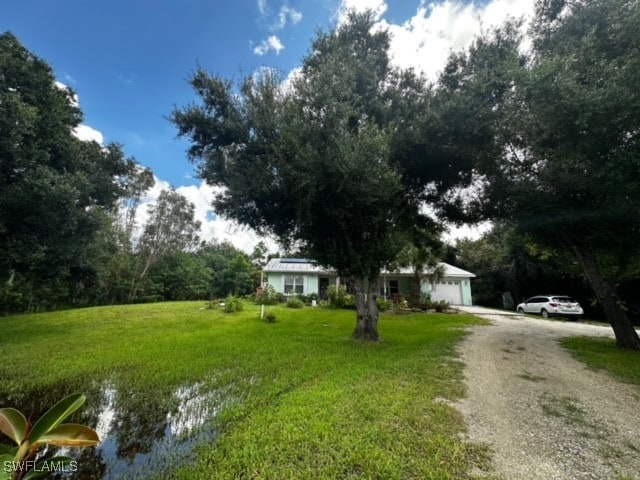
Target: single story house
(301, 276)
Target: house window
(393, 287)
(293, 284)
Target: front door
(323, 288)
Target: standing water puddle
(141, 434)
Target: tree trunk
(415, 299)
(137, 278)
(626, 336)
(366, 308)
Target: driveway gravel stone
(545, 414)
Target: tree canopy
(54, 188)
(559, 130)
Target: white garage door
(448, 290)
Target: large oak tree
(339, 160)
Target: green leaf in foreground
(13, 424)
(55, 416)
(46, 430)
(71, 435)
(4, 474)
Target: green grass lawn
(301, 398)
(602, 353)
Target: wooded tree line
(511, 266)
(68, 207)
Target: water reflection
(196, 403)
(142, 433)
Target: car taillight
(554, 305)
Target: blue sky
(128, 60)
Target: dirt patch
(545, 414)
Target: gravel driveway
(544, 414)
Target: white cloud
(219, 228)
(213, 227)
(82, 131)
(425, 40)
(271, 43)
(288, 14)
(286, 86)
(377, 6)
(88, 134)
(277, 21)
(153, 193)
(75, 101)
(472, 232)
(150, 198)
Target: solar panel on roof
(296, 260)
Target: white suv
(549, 305)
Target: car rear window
(563, 300)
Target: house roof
(295, 265)
(449, 271)
(305, 265)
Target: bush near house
(440, 306)
(233, 304)
(311, 297)
(337, 296)
(383, 304)
(305, 299)
(426, 303)
(267, 295)
(295, 303)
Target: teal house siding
(311, 284)
(466, 293)
(454, 287)
(425, 287)
(276, 280)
